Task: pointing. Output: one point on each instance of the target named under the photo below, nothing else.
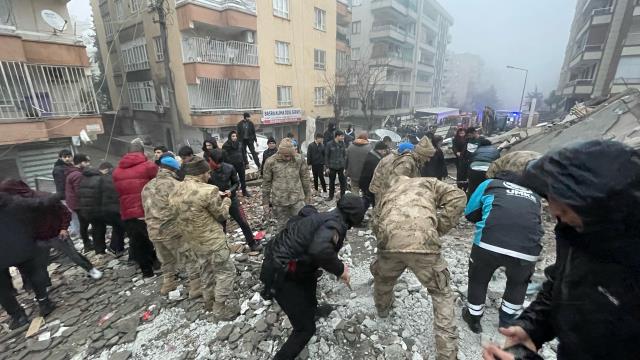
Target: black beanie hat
(352, 207)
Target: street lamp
(526, 75)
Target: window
(320, 22)
(282, 52)
(355, 27)
(284, 95)
(159, 48)
(629, 68)
(354, 103)
(319, 98)
(119, 9)
(319, 59)
(134, 55)
(342, 60)
(142, 95)
(108, 27)
(355, 53)
(281, 8)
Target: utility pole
(173, 103)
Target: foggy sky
(527, 34)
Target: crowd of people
(174, 210)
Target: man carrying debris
(286, 184)
(508, 234)
(591, 299)
(310, 241)
(201, 210)
(406, 161)
(160, 217)
(408, 224)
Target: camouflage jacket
(285, 182)
(391, 166)
(200, 211)
(412, 218)
(515, 161)
(158, 214)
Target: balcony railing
(219, 52)
(247, 5)
(212, 95)
(390, 27)
(580, 82)
(602, 11)
(35, 91)
(342, 37)
(592, 47)
(633, 39)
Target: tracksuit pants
(297, 298)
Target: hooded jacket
(591, 299)
(90, 193)
(233, 151)
(413, 217)
(356, 155)
(71, 187)
(315, 154)
(436, 167)
(133, 172)
(225, 178)
(59, 175)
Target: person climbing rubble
(508, 234)
(201, 209)
(405, 161)
(310, 240)
(160, 217)
(591, 299)
(408, 224)
(286, 184)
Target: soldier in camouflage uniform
(286, 184)
(407, 163)
(515, 161)
(201, 209)
(408, 225)
(161, 226)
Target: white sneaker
(95, 274)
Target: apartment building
(46, 90)
(603, 53)
(409, 38)
(462, 77)
(297, 43)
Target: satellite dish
(54, 20)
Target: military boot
(168, 284)
(195, 291)
(226, 311)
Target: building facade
(409, 39)
(462, 76)
(603, 53)
(46, 89)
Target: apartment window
(282, 52)
(355, 27)
(134, 55)
(281, 8)
(341, 60)
(284, 95)
(119, 7)
(320, 22)
(142, 95)
(354, 103)
(319, 59)
(629, 69)
(319, 98)
(108, 26)
(355, 53)
(157, 41)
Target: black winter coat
(59, 177)
(90, 193)
(335, 155)
(251, 130)
(369, 167)
(315, 154)
(17, 218)
(307, 243)
(265, 155)
(233, 153)
(110, 198)
(329, 135)
(436, 167)
(225, 178)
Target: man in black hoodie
(315, 159)
(247, 135)
(591, 299)
(65, 160)
(233, 155)
(309, 241)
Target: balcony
(241, 5)
(633, 39)
(587, 54)
(229, 14)
(391, 33)
(596, 17)
(207, 51)
(579, 87)
(395, 60)
(343, 13)
(222, 95)
(396, 9)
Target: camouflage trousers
(431, 271)
(174, 254)
(217, 273)
(281, 214)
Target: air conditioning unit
(249, 37)
(160, 109)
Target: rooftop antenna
(53, 19)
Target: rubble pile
(124, 317)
